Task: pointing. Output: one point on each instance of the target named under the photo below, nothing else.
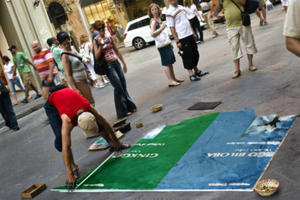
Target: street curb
(25, 112)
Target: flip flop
(173, 85)
(123, 147)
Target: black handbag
(100, 65)
(245, 16)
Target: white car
(137, 32)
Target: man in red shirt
(44, 62)
(65, 109)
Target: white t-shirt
(292, 20)
(177, 18)
(8, 69)
(192, 12)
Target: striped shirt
(41, 61)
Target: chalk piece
(33, 190)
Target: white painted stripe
(256, 143)
(94, 185)
(94, 171)
(239, 184)
(273, 142)
(217, 184)
(195, 190)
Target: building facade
(21, 22)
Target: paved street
(28, 157)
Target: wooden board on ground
(102, 144)
(33, 190)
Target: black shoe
(38, 96)
(24, 101)
(194, 78)
(200, 73)
(15, 129)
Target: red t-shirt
(68, 102)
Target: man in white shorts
(285, 4)
(291, 29)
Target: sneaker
(38, 96)
(24, 101)
(106, 81)
(194, 78)
(99, 85)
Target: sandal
(179, 80)
(200, 73)
(236, 75)
(173, 85)
(252, 68)
(76, 173)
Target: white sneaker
(106, 81)
(99, 85)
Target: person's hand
(49, 80)
(195, 37)
(179, 45)
(76, 90)
(124, 68)
(71, 180)
(163, 26)
(14, 77)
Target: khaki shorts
(261, 3)
(28, 80)
(235, 35)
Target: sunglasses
(102, 28)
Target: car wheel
(139, 43)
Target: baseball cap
(12, 47)
(87, 122)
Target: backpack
(251, 6)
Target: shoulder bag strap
(78, 57)
(233, 1)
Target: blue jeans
(55, 123)
(12, 84)
(123, 101)
(7, 112)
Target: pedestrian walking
(106, 46)
(208, 15)
(165, 48)
(44, 62)
(285, 4)
(194, 18)
(237, 30)
(56, 51)
(65, 109)
(86, 52)
(103, 79)
(263, 16)
(75, 70)
(6, 108)
(185, 38)
(22, 63)
(13, 79)
(292, 28)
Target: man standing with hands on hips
(185, 38)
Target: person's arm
(119, 55)
(67, 69)
(216, 7)
(30, 63)
(242, 2)
(108, 133)
(14, 69)
(67, 127)
(51, 69)
(293, 45)
(97, 49)
(155, 32)
(173, 31)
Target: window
(133, 26)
